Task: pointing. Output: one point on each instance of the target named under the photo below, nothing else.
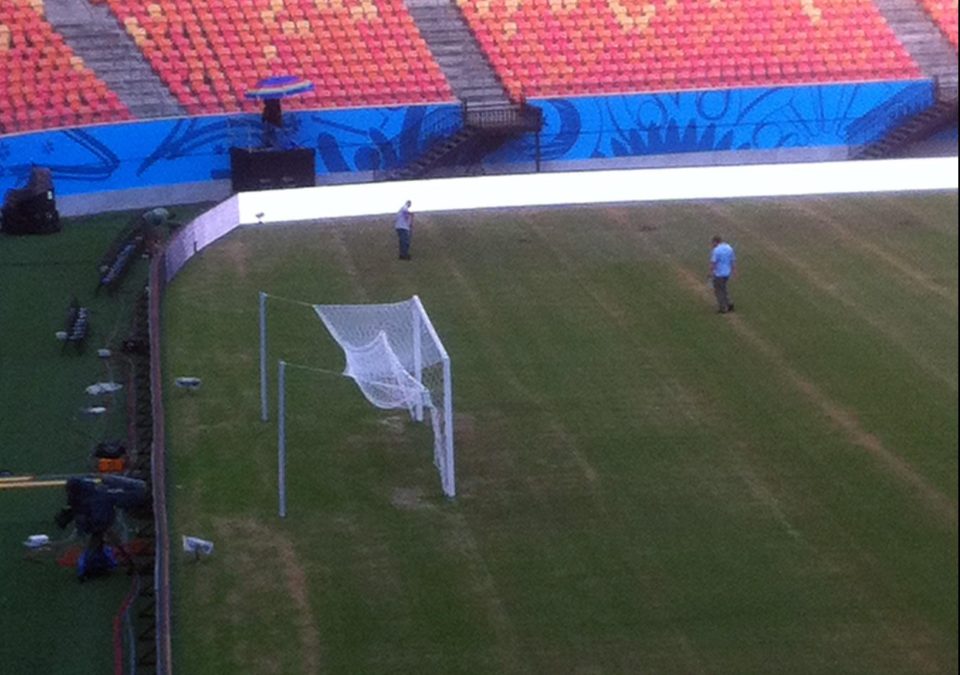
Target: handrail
(511, 116)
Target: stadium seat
(293, 37)
(38, 66)
(944, 13)
(613, 43)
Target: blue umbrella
(279, 87)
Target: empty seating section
(42, 82)
(557, 47)
(944, 12)
(356, 52)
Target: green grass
(50, 623)
(644, 486)
(56, 625)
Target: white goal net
(396, 358)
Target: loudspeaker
(268, 169)
(32, 209)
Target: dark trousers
(720, 291)
(403, 238)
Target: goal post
(445, 451)
(396, 358)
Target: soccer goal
(396, 358)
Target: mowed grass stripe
(813, 272)
(748, 378)
(723, 524)
(838, 356)
(905, 534)
(688, 281)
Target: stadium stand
(44, 84)
(944, 13)
(356, 52)
(570, 47)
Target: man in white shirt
(404, 227)
(722, 263)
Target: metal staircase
(488, 117)
(916, 128)
(479, 131)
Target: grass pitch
(644, 486)
(50, 623)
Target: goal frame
(420, 324)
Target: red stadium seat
(297, 39)
(40, 76)
(944, 12)
(757, 42)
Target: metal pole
(538, 151)
(264, 414)
(417, 357)
(451, 490)
(282, 438)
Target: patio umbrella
(278, 87)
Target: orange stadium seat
(635, 45)
(39, 66)
(944, 12)
(232, 45)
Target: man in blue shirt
(722, 263)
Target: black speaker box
(32, 215)
(31, 209)
(269, 169)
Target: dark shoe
(730, 307)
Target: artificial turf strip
(644, 486)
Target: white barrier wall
(594, 187)
(200, 233)
(554, 189)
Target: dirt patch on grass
(237, 253)
(258, 552)
(349, 266)
(409, 499)
(393, 424)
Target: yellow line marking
(32, 484)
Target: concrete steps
(443, 27)
(922, 38)
(94, 34)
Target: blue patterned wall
(167, 152)
(733, 119)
